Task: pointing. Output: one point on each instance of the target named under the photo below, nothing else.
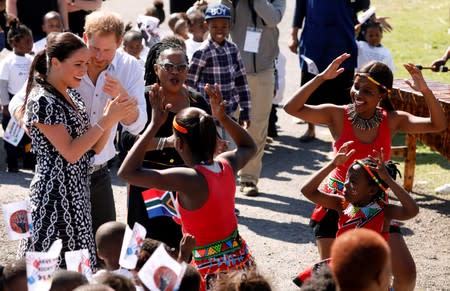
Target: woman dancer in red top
(371, 128)
(205, 190)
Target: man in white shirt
(110, 73)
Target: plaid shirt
(221, 64)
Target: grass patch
(420, 33)
(432, 169)
(420, 36)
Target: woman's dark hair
(201, 135)
(175, 39)
(383, 75)
(157, 10)
(60, 46)
(17, 31)
(155, 51)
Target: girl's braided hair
(391, 168)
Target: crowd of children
(13, 75)
(109, 237)
(217, 257)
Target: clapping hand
(115, 110)
(417, 81)
(333, 70)
(160, 110)
(343, 154)
(114, 88)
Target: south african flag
(159, 203)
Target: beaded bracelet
(161, 143)
(99, 127)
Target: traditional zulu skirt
(222, 256)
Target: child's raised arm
(187, 245)
(246, 147)
(408, 208)
(311, 188)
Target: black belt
(96, 168)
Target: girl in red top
(205, 189)
(373, 122)
(362, 203)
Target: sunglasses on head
(171, 67)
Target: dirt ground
(275, 224)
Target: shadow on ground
(281, 204)
(281, 231)
(288, 153)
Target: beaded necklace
(366, 211)
(361, 123)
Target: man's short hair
(103, 23)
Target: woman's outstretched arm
(321, 114)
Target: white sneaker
(444, 189)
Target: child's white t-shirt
(191, 47)
(367, 53)
(39, 45)
(15, 70)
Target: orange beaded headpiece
(369, 171)
(178, 127)
(374, 81)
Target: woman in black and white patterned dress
(62, 140)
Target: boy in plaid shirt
(219, 61)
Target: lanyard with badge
(253, 34)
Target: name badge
(252, 38)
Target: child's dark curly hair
(17, 31)
(157, 10)
(148, 248)
(250, 280)
(12, 271)
(321, 280)
(370, 24)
